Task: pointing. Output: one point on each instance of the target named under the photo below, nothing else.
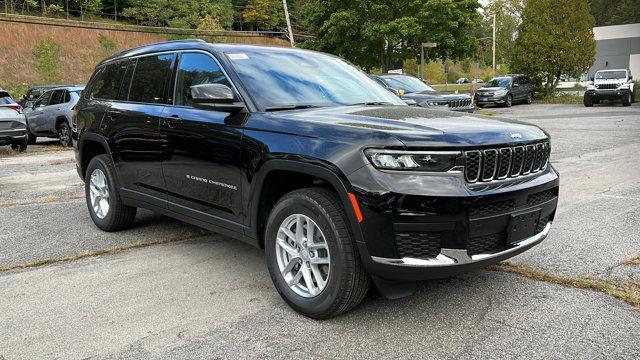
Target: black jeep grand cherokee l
(299, 153)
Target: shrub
(47, 60)
(108, 46)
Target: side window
(126, 80)
(196, 69)
(107, 82)
(43, 100)
(150, 77)
(57, 97)
(67, 96)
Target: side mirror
(216, 97)
(592, 78)
(630, 77)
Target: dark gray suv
(505, 91)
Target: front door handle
(172, 121)
(58, 109)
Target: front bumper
(607, 94)
(487, 100)
(430, 227)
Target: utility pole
(422, 46)
(494, 44)
(286, 16)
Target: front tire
(31, 139)
(311, 255)
(64, 134)
(103, 200)
(509, 101)
(588, 102)
(627, 99)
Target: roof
(616, 32)
(194, 44)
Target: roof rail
(121, 52)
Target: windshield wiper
(371, 103)
(291, 107)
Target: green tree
(264, 14)
(508, 15)
(47, 60)
(184, 14)
(375, 33)
(615, 12)
(554, 41)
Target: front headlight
(501, 92)
(625, 86)
(433, 161)
(591, 87)
(437, 103)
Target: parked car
(301, 154)
(413, 89)
(34, 93)
(462, 81)
(51, 114)
(13, 128)
(505, 91)
(610, 85)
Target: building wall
(617, 47)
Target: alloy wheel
(302, 255)
(99, 193)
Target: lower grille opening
(419, 245)
(486, 243)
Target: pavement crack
(628, 292)
(47, 200)
(109, 251)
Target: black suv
(301, 154)
(505, 91)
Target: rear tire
(31, 139)
(64, 134)
(587, 101)
(529, 98)
(103, 199)
(346, 282)
(20, 147)
(627, 99)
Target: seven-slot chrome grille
(506, 162)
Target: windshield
(607, 75)
(499, 82)
(34, 94)
(407, 83)
(283, 78)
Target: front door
(35, 118)
(201, 163)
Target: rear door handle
(58, 109)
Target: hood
(413, 126)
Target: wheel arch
(61, 119)
(323, 175)
(89, 146)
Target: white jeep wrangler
(614, 84)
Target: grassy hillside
(37, 53)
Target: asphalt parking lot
(192, 294)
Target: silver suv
(616, 84)
(50, 116)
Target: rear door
(202, 161)
(131, 123)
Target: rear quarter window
(107, 82)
